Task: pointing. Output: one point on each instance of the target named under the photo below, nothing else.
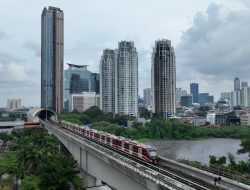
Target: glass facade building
(194, 90)
(77, 79)
(52, 55)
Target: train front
(153, 154)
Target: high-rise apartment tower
(107, 81)
(119, 79)
(52, 54)
(163, 79)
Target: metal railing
(220, 171)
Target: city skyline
(84, 42)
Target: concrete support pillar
(89, 181)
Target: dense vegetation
(37, 161)
(156, 129)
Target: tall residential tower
(107, 81)
(119, 79)
(163, 79)
(52, 54)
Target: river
(198, 150)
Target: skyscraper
(194, 89)
(163, 78)
(107, 81)
(77, 79)
(119, 79)
(236, 84)
(95, 83)
(147, 96)
(52, 54)
(126, 75)
(244, 84)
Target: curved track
(158, 171)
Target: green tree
(144, 113)
(245, 144)
(30, 183)
(5, 136)
(93, 113)
(57, 172)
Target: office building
(52, 55)
(225, 95)
(245, 97)
(244, 84)
(82, 102)
(163, 78)
(236, 84)
(77, 79)
(147, 97)
(194, 90)
(13, 104)
(107, 81)
(187, 100)
(203, 98)
(95, 83)
(210, 99)
(235, 98)
(180, 93)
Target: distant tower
(52, 47)
(236, 84)
(163, 78)
(147, 96)
(194, 89)
(244, 84)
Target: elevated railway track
(163, 172)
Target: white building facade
(82, 102)
(119, 79)
(13, 104)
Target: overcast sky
(211, 40)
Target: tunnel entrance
(35, 114)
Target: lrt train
(140, 151)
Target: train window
(96, 135)
(118, 143)
(126, 146)
(103, 138)
(144, 153)
(108, 139)
(114, 142)
(135, 149)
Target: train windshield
(152, 151)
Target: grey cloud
(216, 45)
(3, 35)
(33, 47)
(6, 58)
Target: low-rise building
(245, 119)
(228, 119)
(81, 102)
(211, 118)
